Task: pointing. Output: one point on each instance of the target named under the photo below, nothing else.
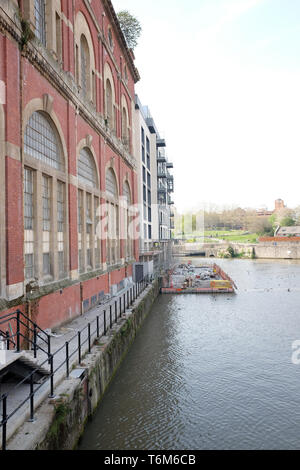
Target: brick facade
(49, 79)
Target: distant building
(288, 232)
(279, 205)
(264, 213)
(145, 151)
(155, 185)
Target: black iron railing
(75, 346)
(34, 334)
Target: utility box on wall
(142, 270)
(138, 272)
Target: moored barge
(190, 279)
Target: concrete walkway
(67, 333)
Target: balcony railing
(162, 188)
(147, 246)
(160, 143)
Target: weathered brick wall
(26, 82)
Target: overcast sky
(222, 81)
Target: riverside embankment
(211, 371)
(60, 421)
(263, 250)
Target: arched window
(111, 184)
(125, 139)
(40, 20)
(112, 203)
(109, 105)
(110, 38)
(85, 59)
(87, 172)
(85, 67)
(88, 213)
(128, 238)
(45, 210)
(40, 141)
(125, 124)
(125, 74)
(127, 193)
(47, 18)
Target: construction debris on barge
(190, 279)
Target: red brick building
(67, 100)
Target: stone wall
(269, 250)
(264, 250)
(278, 250)
(61, 421)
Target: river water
(211, 371)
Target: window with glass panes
(80, 226)
(29, 223)
(109, 105)
(86, 168)
(46, 225)
(128, 239)
(97, 240)
(89, 224)
(148, 152)
(125, 134)
(113, 245)
(41, 189)
(84, 65)
(40, 20)
(40, 141)
(61, 228)
(88, 202)
(143, 144)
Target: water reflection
(211, 371)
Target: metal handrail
(16, 316)
(132, 294)
(12, 315)
(6, 337)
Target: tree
(231, 252)
(297, 215)
(273, 222)
(260, 225)
(284, 217)
(130, 27)
(288, 221)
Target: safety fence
(72, 351)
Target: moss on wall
(72, 410)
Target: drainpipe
(81, 299)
